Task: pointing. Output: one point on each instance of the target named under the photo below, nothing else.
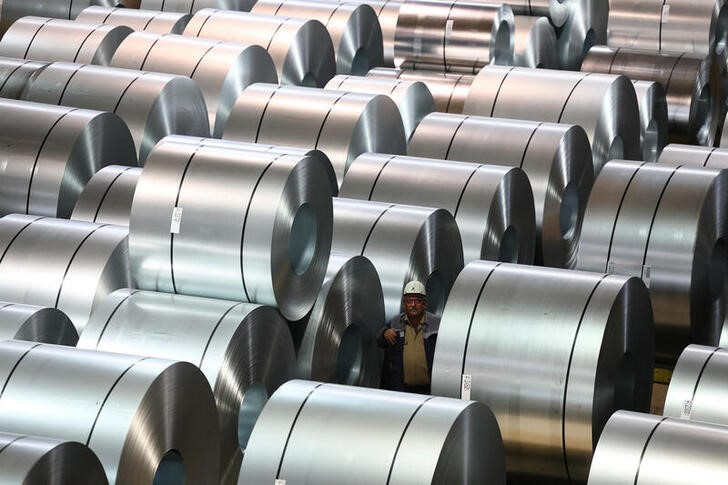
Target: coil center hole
(171, 469)
(350, 357)
(252, 405)
(302, 240)
(569, 211)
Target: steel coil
(604, 105)
(403, 243)
(39, 461)
(492, 205)
(556, 158)
(341, 124)
(534, 43)
(36, 324)
(12, 10)
(15, 74)
(107, 197)
(49, 152)
(724, 133)
(694, 155)
(653, 118)
(556, 11)
(139, 20)
(270, 215)
(148, 420)
(302, 50)
(193, 6)
(232, 344)
(660, 222)
(397, 438)
(354, 30)
(44, 39)
(339, 342)
(387, 12)
(693, 86)
(585, 27)
(148, 102)
(222, 70)
(447, 36)
(653, 449)
(564, 350)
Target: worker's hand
(390, 336)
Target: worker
(409, 342)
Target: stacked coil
(192, 6)
(387, 12)
(270, 214)
(15, 74)
(302, 50)
(557, 343)
(556, 11)
(294, 436)
(148, 102)
(107, 197)
(556, 158)
(50, 152)
(534, 43)
(403, 243)
(604, 105)
(492, 205)
(660, 222)
(354, 30)
(585, 27)
(138, 20)
(146, 419)
(653, 118)
(36, 324)
(693, 155)
(341, 124)
(450, 36)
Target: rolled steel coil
(193, 6)
(270, 215)
(564, 349)
(458, 36)
(690, 26)
(390, 433)
(556, 11)
(222, 70)
(49, 152)
(15, 74)
(339, 342)
(492, 205)
(604, 105)
(44, 39)
(413, 98)
(341, 124)
(653, 118)
(148, 420)
(448, 90)
(354, 30)
(148, 102)
(302, 50)
(660, 222)
(534, 43)
(36, 324)
(403, 243)
(585, 27)
(39, 461)
(139, 20)
(232, 344)
(68, 265)
(644, 449)
(556, 158)
(693, 87)
(694, 155)
(724, 133)
(107, 197)
(387, 12)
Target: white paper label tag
(641, 271)
(448, 27)
(686, 409)
(646, 271)
(176, 220)
(279, 482)
(610, 267)
(467, 384)
(665, 14)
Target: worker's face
(414, 306)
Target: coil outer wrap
(138, 20)
(107, 197)
(387, 12)
(193, 6)
(13, 10)
(585, 27)
(677, 154)
(15, 74)
(36, 324)
(534, 43)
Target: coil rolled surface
(660, 222)
(107, 197)
(36, 324)
(387, 12)
(565, 349)
(585, 27)
(193, 6)
(138, 20)
(694, 155)
(15, 74)
(653, 118)
(557, 11)
(304, 418)
(534, 43)
(302, 50)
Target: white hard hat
(414, 288)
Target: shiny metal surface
(39, 461)
(557, 11)
(666, 224)
(139, 20)
(456, 36)
(396, 438)
(585, 27)
(653, 118)
(403, 243)
(15, 74)
(302, 50)
(68, 265)
(45, 39)
(49, 153)
(341, 124)
(534, 43)
(492, 205)
(724, 133)
(387, 12)
(136, 413)
(36, 324)
(192, 6)
(644, 449)
(107, 197)
(604, 105)
(693, 87)
(694, 155)
(222, 70)
(556, 158)
(270, 215)
(244, 350)
(565, 349)
(148, 102)
(354, 30)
